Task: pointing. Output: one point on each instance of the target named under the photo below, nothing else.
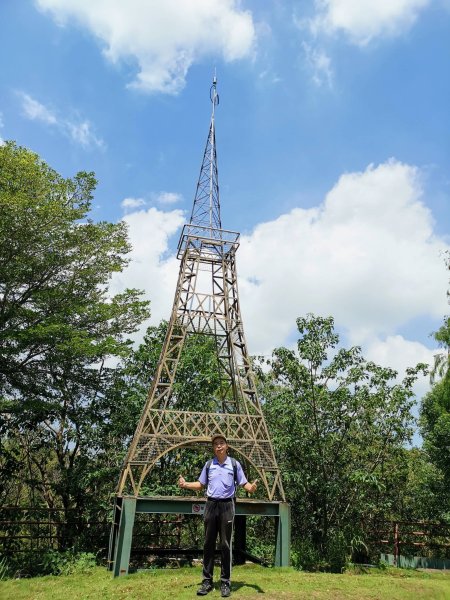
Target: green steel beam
(170, 505)
(283, 536)
(124, 537)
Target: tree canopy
(435, 419)
(59, 324)
(339, 425)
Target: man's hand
(251, 487)
(181, 482)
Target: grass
(249, 581)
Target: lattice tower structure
(206, 303)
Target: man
(219, 477)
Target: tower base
(126, 508)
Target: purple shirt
(221, 478)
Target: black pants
(218, 519)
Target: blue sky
(333, 144)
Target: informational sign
(198, 509)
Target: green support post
(283, 536)
(122, 548)
(117, 510)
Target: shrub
(67, 563)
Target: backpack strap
(234, 463)
(208, 464)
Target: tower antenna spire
(206, 207)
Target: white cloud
(83, 134)
(132, 203)
(151, 268)
(163, 198)
(80, 131)
(268, 76)
(168, 198)
(164, 38)
(36, 111)
(1, 127)
(367, 256)
(320, 64)
(398, 353)
(364, 20)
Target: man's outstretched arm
(189, 485)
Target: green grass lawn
(249, 581)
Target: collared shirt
(221, 478)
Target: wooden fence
(413, 538)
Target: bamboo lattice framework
(206, 303)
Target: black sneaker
(225, 590)
(205, 588)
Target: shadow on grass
(237, 585)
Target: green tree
(442, 359)
(423, 494)
(435, 420)
(339, 424)
(60, 327)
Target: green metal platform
(126, 508)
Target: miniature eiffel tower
(206, 303)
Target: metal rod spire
(206, 208)
(214, 100)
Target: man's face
(220, 447)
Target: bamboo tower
(206, 303)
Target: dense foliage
(339, 424)
(60, 329)
(435, 422)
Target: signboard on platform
(198, 509)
